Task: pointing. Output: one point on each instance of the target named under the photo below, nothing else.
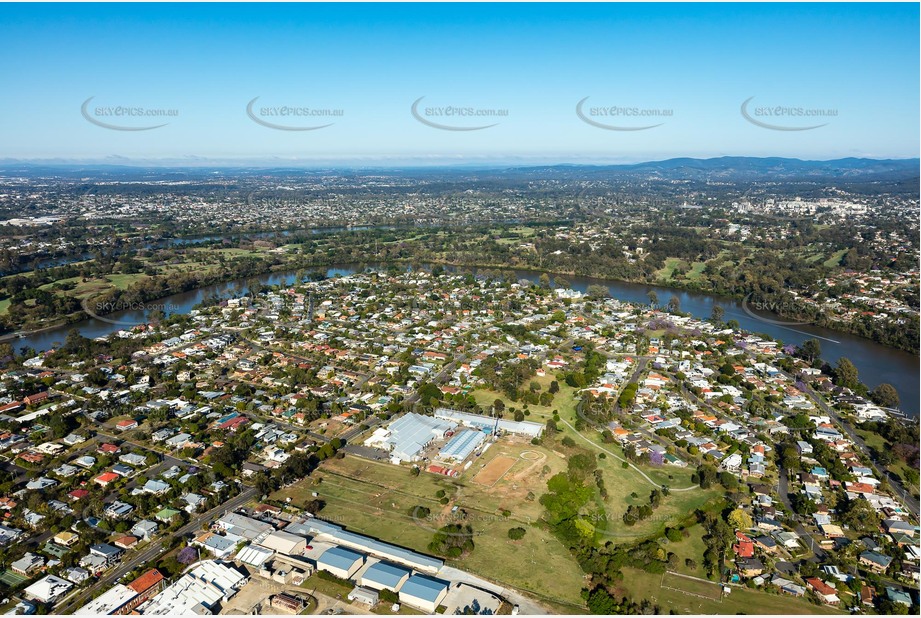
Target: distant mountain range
(715, 169)
(747, 169)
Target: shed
(424, 592)
(383, 575)
(340, 561)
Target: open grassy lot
(640, 585)
(691, 547)
(564, 401)
(692, 586)
(378, 499)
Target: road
(152, 551)
(783, 490)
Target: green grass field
(690, 547)
(639, 585)
(835, 259)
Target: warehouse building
(255, 555)
(489, 424)
(331, 533)
(341, 562)
(109, 602)
(240, 527)
(409, 435)
(423, 592)
(381, 575)
(461, 445)
(285, 543)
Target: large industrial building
(409, 435)
(333, 534)
(461, 445)
(490, 425)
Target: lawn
(696, 272)
(667, 272)
(690, 547)
(639, 585)
(835, 259)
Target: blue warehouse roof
(385, 574)
(425, 588)
(339, 557)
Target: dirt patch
(494, 470)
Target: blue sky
(694, 65)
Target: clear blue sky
(536, 61)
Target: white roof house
(48, 589)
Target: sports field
(493, 471)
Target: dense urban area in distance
(686, 386)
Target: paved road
(152, 551)
(783, 490)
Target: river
(876, 363)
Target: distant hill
(733, 169)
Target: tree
(187, 555)
(717, 313)
(516, 534)
(885, 395)
(653, 298)
(674, 304)
(740, 520)
(596, 291)
(811, 350)
(846, 373)
(860, 515)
